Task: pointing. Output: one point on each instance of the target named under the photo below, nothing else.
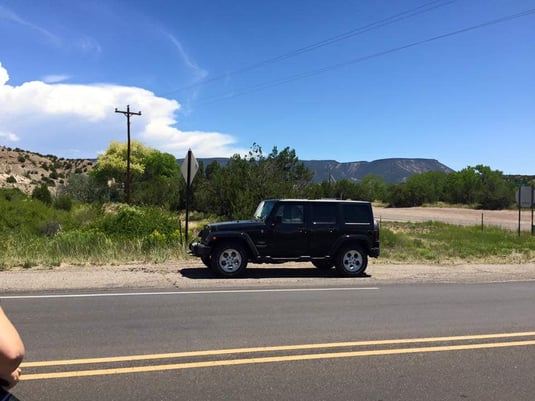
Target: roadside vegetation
(441, 243)
(86, 220)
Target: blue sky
(339, 80)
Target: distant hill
(393, 171)
(24, 169)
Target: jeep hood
(237, 225)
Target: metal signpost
(525, 198)
(189, 168)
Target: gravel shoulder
(190, 275)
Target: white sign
(525, 197)
(193, 167)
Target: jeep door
(287, 237)
(323, 227)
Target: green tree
(398, 195)
(426, 187)
(42, 194)
(81, 187)
(154, 175)
(373, 188)
(480, 187)
(494, 190)
(462, 186)
(112, 164)
(235, 190)
(159, 183)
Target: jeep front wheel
(206, 261)
(351, 261)
(229, 260)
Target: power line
(429, 6)
(309, 74)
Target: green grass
(35, 234)
(442, 243)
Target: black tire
(351, 261)
(206, 261)
(323, 264)
(229, 259)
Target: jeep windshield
(263, 210)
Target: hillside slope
(26, 170)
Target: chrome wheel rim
(352, 261)
(230, 260)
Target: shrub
(139, 222)
(12, 194)
(50, 228)
(63, 202)
(80, 243)
(43, 194)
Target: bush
(43, 194)
(63, 202)
(12, 194)
(80, 243)
(18, 215)
(135, 222)
(50, 228)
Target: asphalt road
(359, 341)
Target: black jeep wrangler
(328, 233)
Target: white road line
(215, 292)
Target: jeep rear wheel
(229, 260)
(351, 261)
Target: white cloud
(70, 120)
(52, 79)
(9, 136)
(4, 76)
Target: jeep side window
(324, 214)
(290, 214)
(264, 209)
(356, 214)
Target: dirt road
(502, 218)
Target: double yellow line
(471, 345)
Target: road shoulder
(192, 274)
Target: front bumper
(199, 249)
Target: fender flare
(233, 235)
(362, 240)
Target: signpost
(189, 168)
(525, 198)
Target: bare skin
(11, 352)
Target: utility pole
(128, 113)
